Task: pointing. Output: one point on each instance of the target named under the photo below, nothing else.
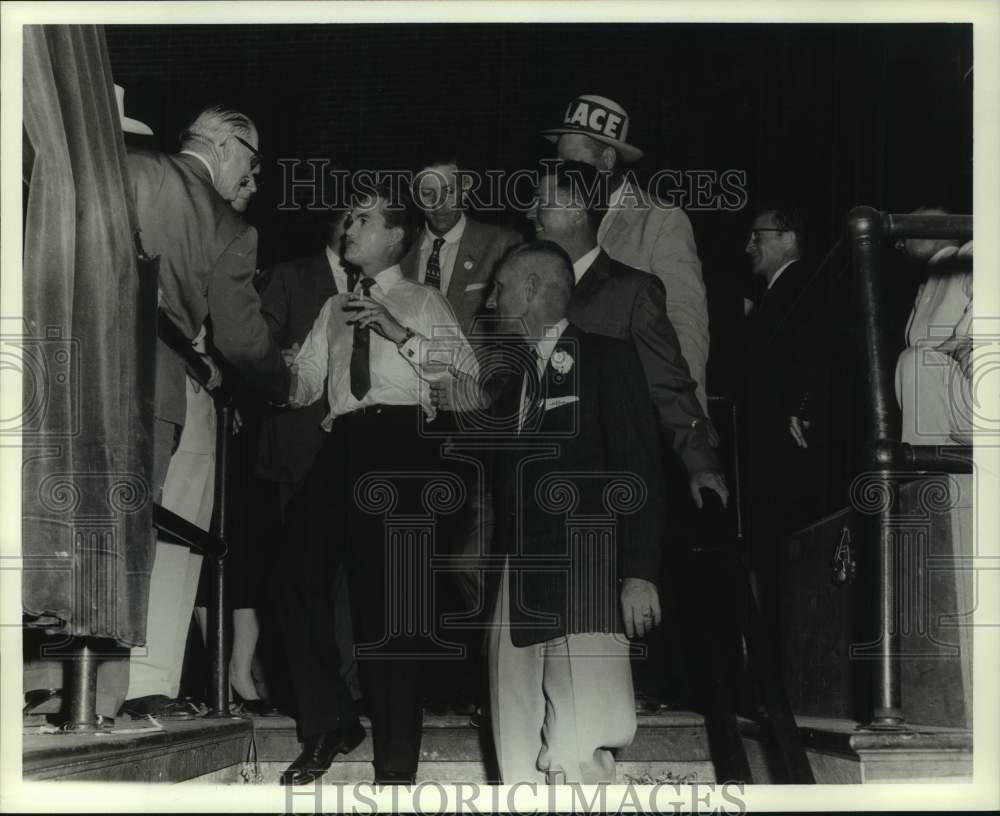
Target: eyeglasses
(257, 157)
(754, 234)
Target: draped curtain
(89, 310)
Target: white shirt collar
(584, 262)
(452, 236)
(388, 277)
(201, 158)
(548, 343)
(781, 269)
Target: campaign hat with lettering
(600, 118)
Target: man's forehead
(437, 175)
(764, 219)
(367, 204)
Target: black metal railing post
(219, 691)
(81, 684)
(865, 229)
(887, 458)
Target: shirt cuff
(411, 349)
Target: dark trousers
(370, 492)
(302, 592)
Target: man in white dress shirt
(373, 353)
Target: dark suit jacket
(290, 302)
(479, 250)
(588, 510)
(781, 380)
(618, 301)
(208, 256)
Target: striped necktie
(433, 276)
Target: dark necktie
(433, 276)
(361, 375)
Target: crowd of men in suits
(454, 412)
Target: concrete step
(672, 736)
(179, 751)
(351, 772)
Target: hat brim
(135, 126)
(629, 152)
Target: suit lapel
(469, 250)
(592, 280)
(775, 304)
(408, 266)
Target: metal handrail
(868, 229)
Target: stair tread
(465, 771)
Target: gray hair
(215, 123)
(550, 264)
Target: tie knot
(437, 243)
(366, 285)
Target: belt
(370, 411)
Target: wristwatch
(409, 334)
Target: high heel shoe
(261, 707)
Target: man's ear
(530, 286)
(398, 233)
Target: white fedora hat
(129, 125)
(600, 118)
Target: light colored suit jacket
(644, 233)
(479, 250)
(208, 255)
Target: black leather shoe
(395, 778)
(262, 707)
(318, 753)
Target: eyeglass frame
(258, 157)
(752, 236)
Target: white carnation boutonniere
(561, 361)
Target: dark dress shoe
(319, 751)
(395, 778)
(480, 718)
(261, 707)
(161, 707)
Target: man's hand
(293, 385)
(798, 429)
(289, 354)
(374, 315)
(214, 375)
(640, 606)
(458, 392)
(712, 481)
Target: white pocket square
(472, 287)
(555, 402)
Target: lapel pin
(467, 264)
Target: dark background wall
(828, 115)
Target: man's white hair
(216, 123)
